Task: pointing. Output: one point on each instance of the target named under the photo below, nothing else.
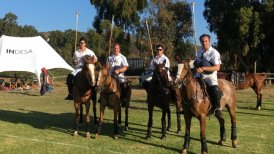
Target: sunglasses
(159, 49)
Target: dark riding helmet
(203, 63)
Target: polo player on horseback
(118, 65)
(80, 57)
(160, 58)
(207, 63)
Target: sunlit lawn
(30, 123)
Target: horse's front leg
(98, 130)
(77, 117)
(150, 120)
(222, 129)
(202, 120)
(232, 114)
(168, 119)
(259, 101)
(178, 109)
(117, 111)
(94, 111)
(126, 117)
(163, 120)
(87, 105)
(188, 118)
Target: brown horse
(159, 95)
(110, 97)
(81, 95)
(197, 103)
(251, 80)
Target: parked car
(147, 75)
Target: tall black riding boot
(123, 86)
(215, 95)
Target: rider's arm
(209, 68)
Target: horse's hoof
(126, 128)
(96, 137)
(204, 152)
(258, 108)
(120, 125)
(234, 143)
(163, 137)
(221, 142)
(75, 133)
(88, 135)
(115, 137)
(184, 151)
(148, 137)
(179, 132)
(168, 128)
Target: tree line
(244, 29)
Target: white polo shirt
(160, 60)
(213, 56)
(79, 57)
(117, 62)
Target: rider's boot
(215, 95)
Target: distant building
(136, 63)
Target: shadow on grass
(264, 115)
(147, 142)
(63, 122)
(28, 93)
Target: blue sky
(47, 15)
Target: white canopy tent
(29, 54)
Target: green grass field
(30, 123)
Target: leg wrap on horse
(88, 127)
(149, 132)
(98, 130)
(187, 141)
(222, 133)
(115, 125)
(204, 146)
(163, 126)
(233, 132)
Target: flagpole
(76, 28)
(194, 31)
(149, 39)
(110, 37)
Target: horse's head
(161, 72)
(103, 74)
(183, 69)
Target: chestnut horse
(197, 103)
(251, 80)
(81, 95)
(159, 95)
(110, 97)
